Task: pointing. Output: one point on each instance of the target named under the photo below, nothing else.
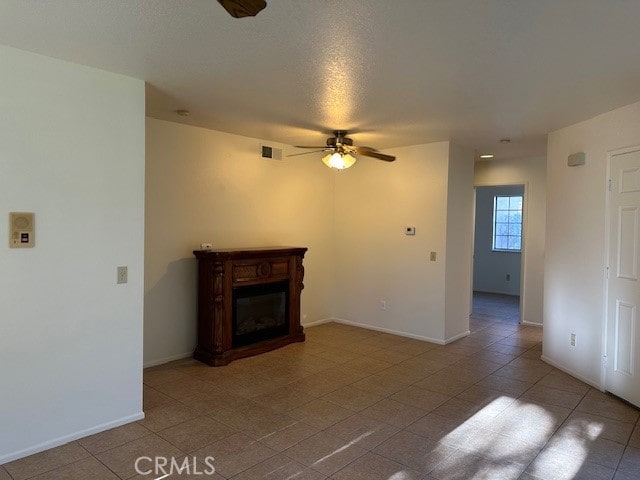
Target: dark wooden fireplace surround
(219, 272)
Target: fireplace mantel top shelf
(248, 301)
(249, 252)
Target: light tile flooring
(354, 404)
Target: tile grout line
(627, 446)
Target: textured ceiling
(394, 72)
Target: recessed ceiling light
(486, 156)
(183, 113)
(505, 140)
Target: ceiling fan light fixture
(339, 161)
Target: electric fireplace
(260, 312)
(248, 301)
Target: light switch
(432, 257)
(123, 274)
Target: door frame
(525, 222)
(604, 357)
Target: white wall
(575, 263)
(376, 261)
(530, 172)
(490, 268)
(459, 242)
(72, 151)
(208, 186)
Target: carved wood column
(218, 307)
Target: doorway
(497, 253)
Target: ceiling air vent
(270, 153)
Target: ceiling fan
(243, 8)
(341, 151)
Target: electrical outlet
(206, 246)
(432, 256)
(383, 305)
(508, 277)
(573, 339)
(122, 275)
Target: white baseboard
(511, 294)
(56, 442)
(160, 361)
(457, 337)
(532, 324)
(317, 322)
(438, 341)
(582, 378)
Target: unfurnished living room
(332, 240)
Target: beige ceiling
(395, 72)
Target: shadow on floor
(496, 307)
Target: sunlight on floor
(482, 444)
(492, 454)
(343, 448)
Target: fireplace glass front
(260, 312)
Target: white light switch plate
(123, 275)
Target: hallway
(496, 307)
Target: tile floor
(354, 404)
(496, 307)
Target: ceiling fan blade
(306, 146)
(370, 152)
(243, 8)
(305, 153)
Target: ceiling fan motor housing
(339, 139)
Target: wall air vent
(270, 153)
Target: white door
(623, 332)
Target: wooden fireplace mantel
(219, 272)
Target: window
(507, 223)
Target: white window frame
(494, 222)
